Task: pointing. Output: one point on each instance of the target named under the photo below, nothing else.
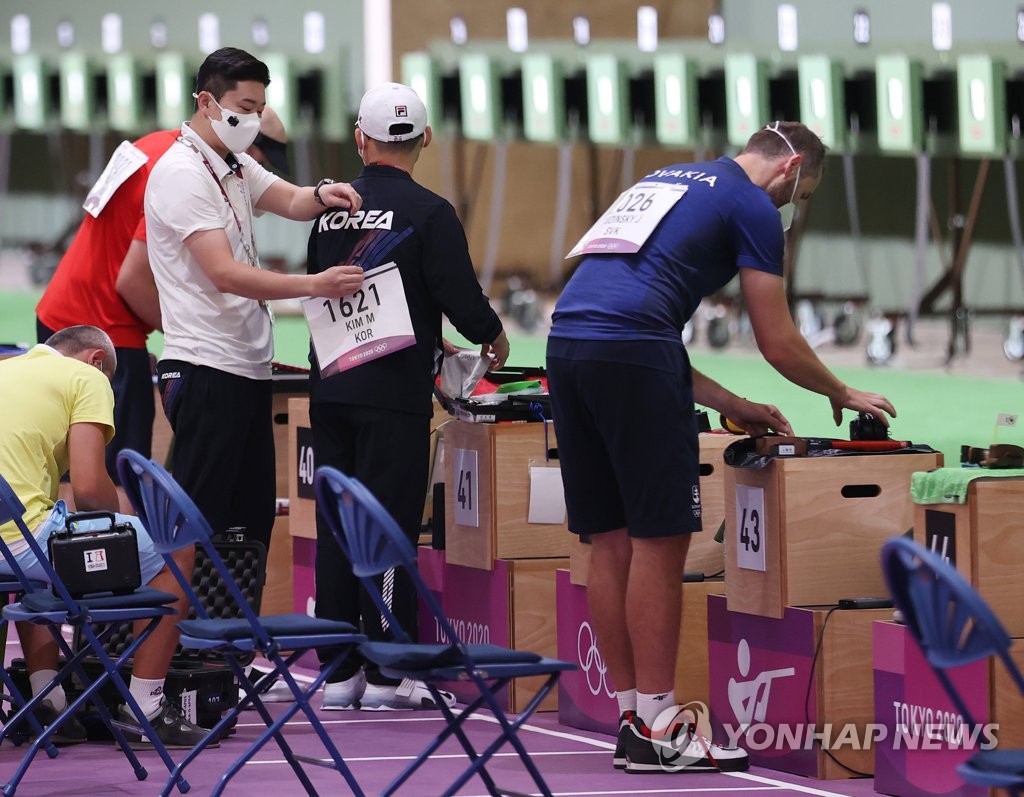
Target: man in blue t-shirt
(623, 391)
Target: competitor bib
(630, 220)
(364, 326)
(126, 160)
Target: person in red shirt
(104, 280)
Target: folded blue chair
(173, 522)
(13, 586)
(374, 544)
(953, 626)
(93, 618)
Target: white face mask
(236, 130)
(787, 211)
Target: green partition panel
(676, 115)
(822, 100)
(746, 96)
(283, 91)
(422, 74)
(31, 92)
(175, 82)
(543, 98)
(981, 95)
(607, 99)
(900, 96)
(125, 102)
(481, 96)
(77, 92)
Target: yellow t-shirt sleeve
(92, 400)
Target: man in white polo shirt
(218, 343)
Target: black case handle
(75, 517)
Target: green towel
(949, 485)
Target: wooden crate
(982, 538)
(278, 590)
(511, 604)
(301, 463)
(807, 671)
(706, 555)
(487, 493)
(1007, 702)
(923, 763)
(586, 697)
(808, 530)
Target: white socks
(627, 700)
(149, 693)
(56, 698)
(648, 707)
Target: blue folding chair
(374, 544)
(13, 586)
(174, 521)
(953, 625)
(94, 618)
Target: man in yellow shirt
(58, 409)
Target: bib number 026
(750, 528)
(631, 202)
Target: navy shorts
(627, 436)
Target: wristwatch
(316, 191)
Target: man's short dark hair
(72, 340)
(771, 143)
(225, 68)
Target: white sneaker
(278, 693)
(409, 695)
(679, 748)
(344, 695)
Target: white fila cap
(392, 112)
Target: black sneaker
(619, 757)
(70, 732)
(679, 748)
(170, 724)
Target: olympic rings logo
(589, 657)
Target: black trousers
(223, 445)
(388, 452)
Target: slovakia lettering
(696, 176)
(360, 220)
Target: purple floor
(376, 745)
